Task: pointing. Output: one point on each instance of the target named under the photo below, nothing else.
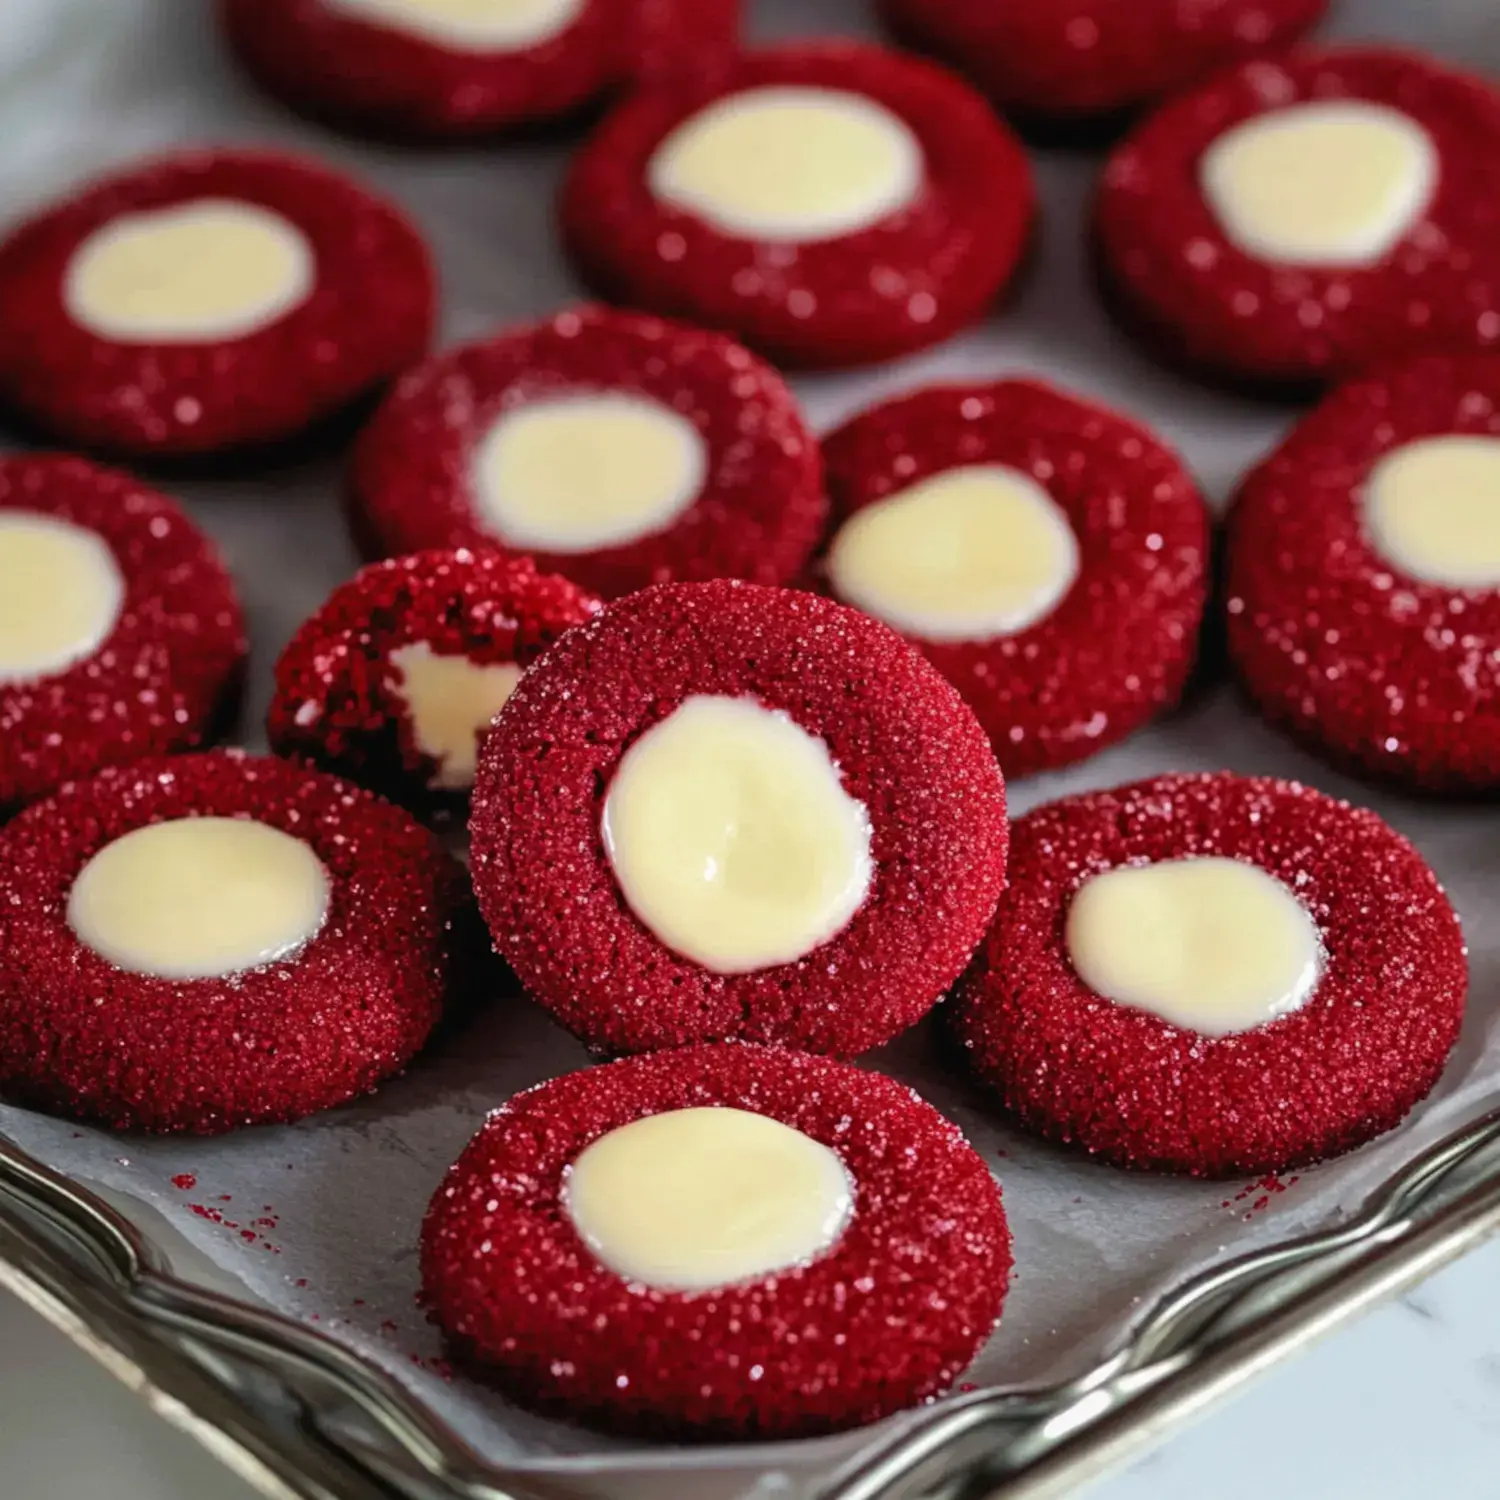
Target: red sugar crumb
(301, 1281)
(338, 704)
(926, 1252)
(1140, 1092)
(907, 748)
(368, 315)
(1379, 672)
(167, 676)
(1118, 648)
(910, 280)
(211, 1214)
(1093, 57)
(81, 1037)
(264, 1223)
(757, 514)
(185, 1181)
(1173, 276)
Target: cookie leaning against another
(721, 811)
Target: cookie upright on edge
(1297, 220)
(718, 1241)
(829, 203)
(1288, 976)
(721, 811)
(208, 300)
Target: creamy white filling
(732, 837)
(789, 163)
(694, 1199)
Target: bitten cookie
(438, 70)
(1295, 221)
(831, 203)
(1068, 62)
(718, 1241)
(1213, 974)
(1363, 565)
(720, 811)
(1047, 555)
(206, 301)
(617, 449)
(210, 941)
(393, 682)
(120, 633)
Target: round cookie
(1090, 60)
(120, 633)
(615, 448)
(1047, 555)
(1295, 221)
(832, 203)
(392, 682)
(1310, 962)
(727, 812)
(522, 1242)
(209, 941)
(1363, 567)
(431, 71)
(208, 300)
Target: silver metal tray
(258, 1289)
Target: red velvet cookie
(848, 778)
(126, 999)
(1349, 631)
(1063, 662)
(409, 70)
(1292, 222)
(1366, 1043)
(1071, 60)
(120, 633)
(805, 1349)
(393, 680)
(206, 301)
(615, 448)
(831, 203)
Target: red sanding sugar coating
(902, 738)
(339, 703)
(345, 63)
(1119, 646)
(1381, 672)
(1172, 275)
(369, 314)
(1140, 1092)
(886, 1319)
(134, 1052)
(1076, 58)
(757, 516)
(166, 678)
(910, 280)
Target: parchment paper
(319, 1220)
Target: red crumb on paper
(185, 1180)
(211, 1214)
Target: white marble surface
(1404, 1403)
